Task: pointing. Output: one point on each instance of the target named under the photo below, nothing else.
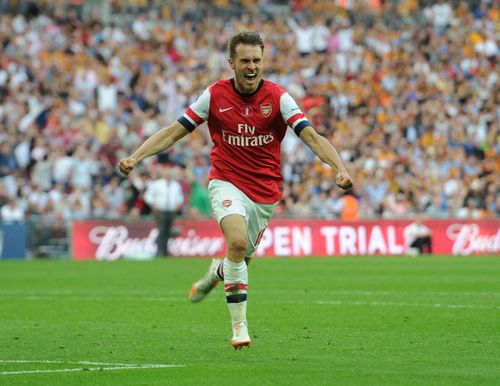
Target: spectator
(12, 211)
(8, 161)
(304, 35)
(418, 237)
(165, 197)
(199, 203)
(350, 207)
(114, 194)
(321, 35)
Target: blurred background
(407, 90)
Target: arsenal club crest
(266, 109)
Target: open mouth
(250, 76)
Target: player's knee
(238, 247)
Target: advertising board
(111, 240)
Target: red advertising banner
(111, 240)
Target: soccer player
(247, 119)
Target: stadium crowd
(407, 91)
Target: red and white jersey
(247, 131)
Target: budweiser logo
(468, 240)
(194, 245)
(114, 243)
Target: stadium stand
(407, 89)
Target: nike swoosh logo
(221, 110)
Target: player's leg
(225, 200)
(202, 287)
(243, 223)
(243, 234)
(235, 273)
(230, 206)
(214, 275)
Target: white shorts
(226, 199)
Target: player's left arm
(327, 153)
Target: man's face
(247, 66)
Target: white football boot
(240, 335)
(207, 283)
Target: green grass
(349, 321)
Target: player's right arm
(162, 140)
(159, 141)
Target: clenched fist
(344, 181)
(126, 165)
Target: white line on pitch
(94, 298)
(402, 304)
(74, 362)
(89, 369)
(152, 293)
(432, 293)
(103, 366)
(326, 302)
(78, 292)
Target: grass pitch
(348, 321)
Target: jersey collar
(261, 83)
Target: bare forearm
(153, 145)
(160, 141)
(325, 151)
